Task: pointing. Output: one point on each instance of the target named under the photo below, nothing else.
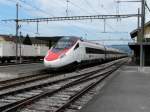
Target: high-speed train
(73, 50)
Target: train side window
(76, 46)
(94, 51)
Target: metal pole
(142, 33)
(104, 25)
(138, 24)
(20, 57)
(37, 27)
(67, 8)
(17, 28)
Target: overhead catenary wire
(28, 4)
(102, 6)
(90, 6)
(86, 31)
(36, 8)
(79, 28)
(111, 27)
(27, 31)
(85, 10)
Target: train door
(81, 51)
(78, 53)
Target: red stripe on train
(53, 56)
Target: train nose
(54, 59)
(52, 64)
(47, 64)
(51, 56)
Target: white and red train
(74, 50)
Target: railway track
(75, 84)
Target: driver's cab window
(77, 46)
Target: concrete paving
(13, 71)
(127, 91)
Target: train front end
(60, 54)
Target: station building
(138, 41)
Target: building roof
(134, 33)
(13, 39)
(54, 38)
(6, 38)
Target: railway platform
(127, 91)
(15, 71)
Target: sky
(117, 31)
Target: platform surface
(127, 91)
(13, 71)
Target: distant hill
(124, 48)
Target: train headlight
(62, 55)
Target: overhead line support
(75, 18)
(147, 7)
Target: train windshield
(64, 43)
